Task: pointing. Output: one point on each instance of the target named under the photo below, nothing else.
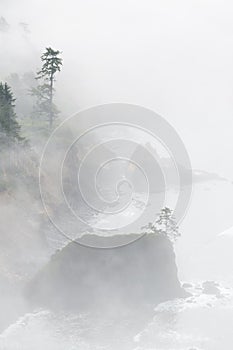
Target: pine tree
(44, 93)
(9, 126)
(166, 224)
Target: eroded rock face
(81, 278)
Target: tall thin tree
(52, 64)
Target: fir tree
(9, 126)
(44, 92)
(164, 225)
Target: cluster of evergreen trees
(18, 163)
(43, 94)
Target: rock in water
(83, 278)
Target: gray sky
(173, 56)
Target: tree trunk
(51, 103)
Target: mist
(173, 57)
(144, 105)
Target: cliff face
(80, 278)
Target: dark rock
(191, 301)
(80, 278)
(211, 287)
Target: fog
(167, 67)
(174, 57)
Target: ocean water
(201, 321)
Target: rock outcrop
(83, 278)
